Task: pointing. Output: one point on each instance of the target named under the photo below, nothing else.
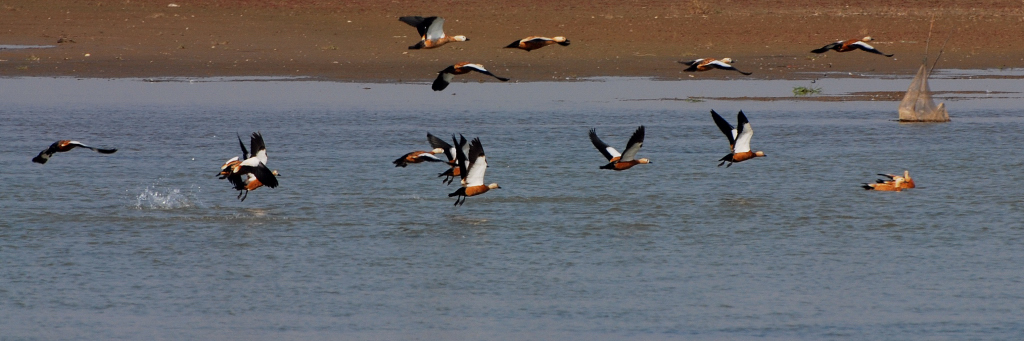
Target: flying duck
(449, 151)
(251, 172)
(850, 45)
(444, 77)
(705, 64)
(63, 146)
(739, 139)
(625, 160)
(471, 170)
(419, 156)
(431, 30)
(533, 43)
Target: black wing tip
(513, 45)
(106, 151)
(503, 79)
(821, 50)
(564, 43)
(39, 160)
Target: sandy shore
(364, 41)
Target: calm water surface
(148, 244)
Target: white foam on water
(155, 198)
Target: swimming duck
(739, 139)
(850, 45)
(625, 160)
(705, 64)
(893, 186)
(472, 170)
(63, 146)
(444, 77)
(431, 30)
(907, 181)
(533, 43)
(252, 171)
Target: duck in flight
(431, 30)
(251, 172)
(449, 151)
(627, 158)
(63, 146)
(471, 168)
(422, 156)
(850, 45)
(705, 64)
(444, 77)
(739, 139)
(533, 43)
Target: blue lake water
(148, 244)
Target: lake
(147, 243)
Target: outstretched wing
(259, 149)
(442, 81)
(634, 144)
(692, 63)
(436, 142)
(825, 48)
(726, 128)
(864, 46)
(420, 23)
(606, 150)
(47, 153)
(721, 65)
(745, 132)
(460, 157)
(477, 164)
(480, 68)
(435, 28)
(245, 152)
(100, 150)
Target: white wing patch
(719, 64)
(475, 176)
(743, 140)
(614, 153)
(476, 67)
(436, 29)
(863, 44)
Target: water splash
(167, 199)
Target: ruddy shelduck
(444, 77)
(627, 158)
(251, 172)
(534, 42)
(63, 146)
(431, 30)
(421, 156)
(449, 151)
(472, 168)
(850, 45)
(890, 186)
(907, 181)
(739, 139)
(705, 64)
